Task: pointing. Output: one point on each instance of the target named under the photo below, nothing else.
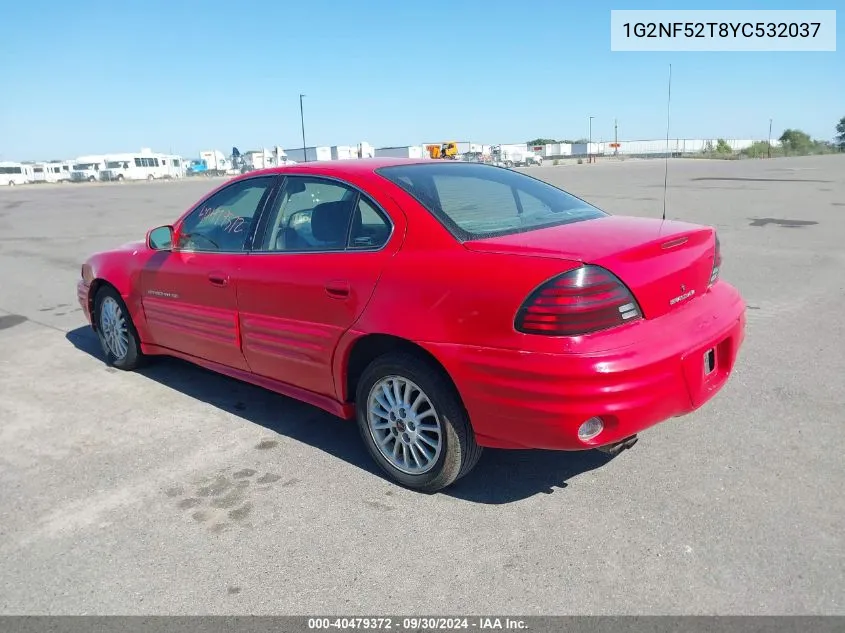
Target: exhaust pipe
(618, 447)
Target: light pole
(769, 144)
(590, 142)
(302, 120)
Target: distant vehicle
(214, 163)
(87, 168)
(403, 151)
(365, 150)
(446, 306)
(197, 166)
(12, 174)
(474, 157)
(51, 172)
(264, 158)
(447, 150)
(510, 156)
(141, 166)
(175, 166)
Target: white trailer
(320, 153)
(344, 152)
(144, 165)
(12, 174)
(404, 151)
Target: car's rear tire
(118, 336)
(413, 422)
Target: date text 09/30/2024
(416, 623)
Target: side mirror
(160, 238)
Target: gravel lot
(180, 492)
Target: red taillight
(717, 263)
(583, 300)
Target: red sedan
(446, 306)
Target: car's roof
(352, 166)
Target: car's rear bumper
(519, 399)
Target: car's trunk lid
(665, 263)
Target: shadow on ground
(500, 477)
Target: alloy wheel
(113, 328)
(404, 425)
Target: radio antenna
(666, 169)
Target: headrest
(330, 220)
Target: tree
(542, 141)
(722, 147)
(796, 141)
(840, 136)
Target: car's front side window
(223, 221)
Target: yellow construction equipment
(448, 150)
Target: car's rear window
(476, 201)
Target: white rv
(175, 166)
(51, 172)
(87, 168)
(12, 174)
(144, 165)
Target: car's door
(309, 277)
(189, 293)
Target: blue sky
(90, 77)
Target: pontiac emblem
(684, 295)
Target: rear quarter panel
(435, 290)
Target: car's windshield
(475, 201)
(115, 164)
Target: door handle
(218, 279)
(338, 289)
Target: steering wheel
(191, 236)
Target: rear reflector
(580, 301)
(589, 429)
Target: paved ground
(177, 491)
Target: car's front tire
(117, 334)
(413, 422)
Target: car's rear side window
(475, 201)
(314, 214)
